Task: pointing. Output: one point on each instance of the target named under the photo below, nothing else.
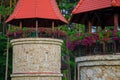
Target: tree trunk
(10, 3)
(7, 54)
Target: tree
(3, 48)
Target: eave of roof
(91, 5)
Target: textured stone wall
(36, 56)
(106, 67)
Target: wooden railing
(112, 48)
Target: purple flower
(115, 38)
(68, 44)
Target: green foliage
(5, 11)
(64, 73)
(67, 6)
(2, 10)
(3, 46)
(102, 34)
(13, 29)
(118, 33)
(3, 41)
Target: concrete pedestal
(36, 59)
(106, 67)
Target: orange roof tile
(99, 11)
(90, 5)
(45, 11)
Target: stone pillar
(106, 67)
(36, 59)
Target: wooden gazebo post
(53, 25)
(115, 21)
(36, 28)
(20, 25)
(89, 26)
(115, 28)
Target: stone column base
(36, 76)
(36, 59)
(99, 67)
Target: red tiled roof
(90, 5)
(36, 9)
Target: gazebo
(101, 14)
(97, 13)
(36, 58)
(103, 61)
(36, 14)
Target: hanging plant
(31, 32)
(90, 39)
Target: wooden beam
(53, 25)
(20, 25)
(116, 22)
(36, 28)
(89, 26)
